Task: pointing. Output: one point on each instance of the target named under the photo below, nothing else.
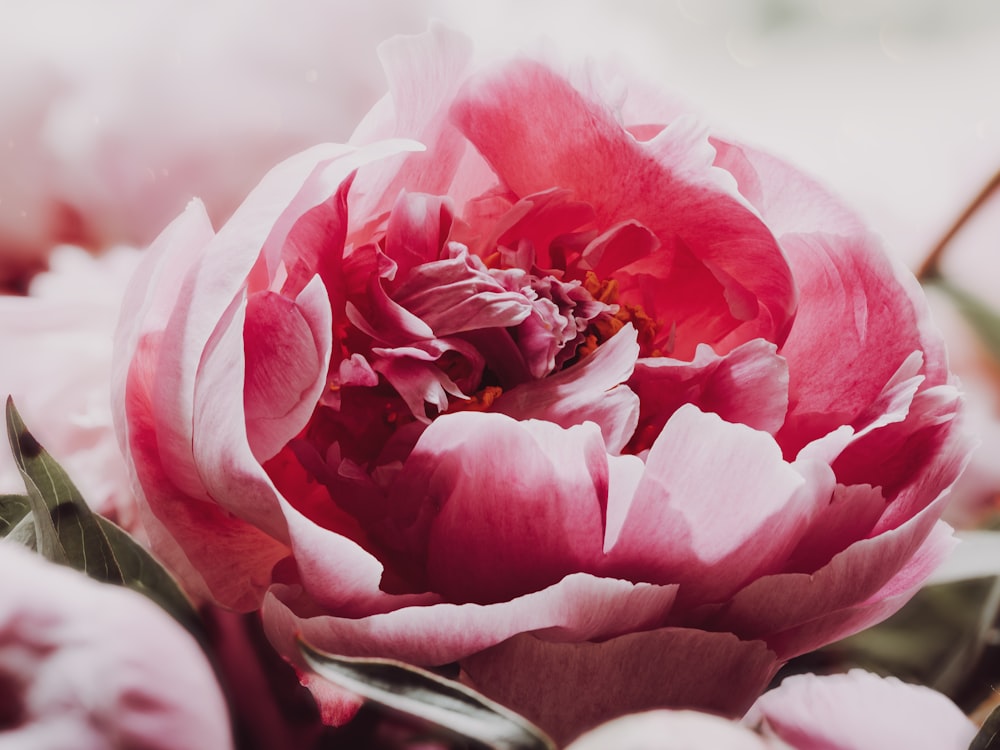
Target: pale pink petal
(579, 607)
(91, 665)
(789, 201)
(836, 600)
(860, 711)
(423, 72)
(716, 507)
(669, 730)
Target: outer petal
(749, 385)
(788, 201)
(860, 711)
(580, 607)
(799, 612)
(839, 278)
(423, 72)
(716, 507)
(671, 667)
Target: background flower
(855, 711)
(96, 666)
(57, 366)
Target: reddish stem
(930, 269)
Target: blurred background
(113, 113)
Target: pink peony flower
(861, 711)
(612, 414)
(94, 666)
(854, 711)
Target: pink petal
(788, 201)
(498, 508)
(458, 294)
(712, 529)
(838, 278)
(423, 73)
(591, 390)
(91, 665)
(418, 230)
(287, 347)
(843, 596)
(579, 607)
(861, 710)
(573, 143)
(850, 515)
(235, 567)
(749, 385)
(669, 667)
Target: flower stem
(930, 268)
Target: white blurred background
(112, 112)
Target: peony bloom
(544, 381)
(57, 344)
(854, 711)
(94, 666)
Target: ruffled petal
(744, 282)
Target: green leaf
(422, 695)
(13, 509)
(66, 531)
(988, 737)
(983, 319)
(16, 521)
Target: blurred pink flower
(854, 711)
(860, 711)
(56, 363)
(577, 394)
(106, 135)
(93, 666)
